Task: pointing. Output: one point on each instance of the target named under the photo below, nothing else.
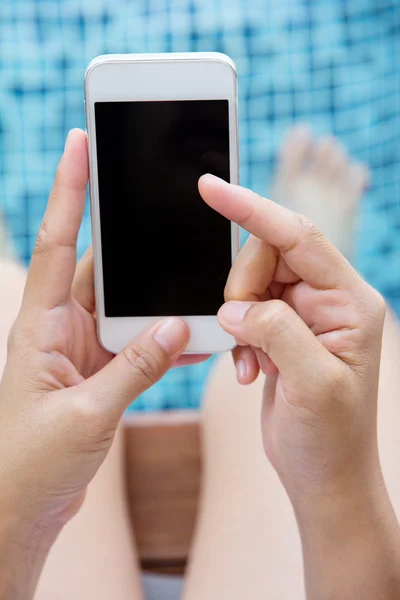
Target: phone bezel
(178, 76)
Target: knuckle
(276, 315)
(372, 312)
(308, 230)
(334, 384)
(253, 197)
(271, 319)
(244, 280)
(42, 239)
(233, 289)
(145, 365)
(309, 237)
(379, 304)
(90, 416)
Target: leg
(316, 178)
(389, 409)
(94, 556)
(246, 545)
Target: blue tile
(335, 63)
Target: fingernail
(214, 178)
(241, 369)
(232, 313)
(172, 335)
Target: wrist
(24, 546)
(335, 518)
(340, 500)
(337, 486)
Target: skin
(62, 396)
(290, 289)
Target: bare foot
(317, 179)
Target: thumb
(139, 366)
(275, 328)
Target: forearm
(353, 552)
(23, 551)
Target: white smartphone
(155, 124)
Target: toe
(340, 163)
(328, 157)
(359, 176)
(295, 151)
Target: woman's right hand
(298, 309)
(315, 326)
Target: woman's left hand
(62, 395)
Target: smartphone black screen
(164, 251)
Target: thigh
(94, 557)
(389, 409)
(246, 544)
